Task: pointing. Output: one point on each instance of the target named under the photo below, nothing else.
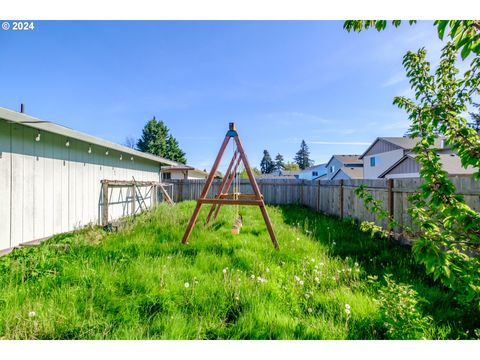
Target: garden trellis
(223, 197)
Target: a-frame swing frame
(223, 198)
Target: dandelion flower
(356, 264)
(307, 295)
(32, 314)
(312, 260)
(321, 264)
(301, 282)
(317, 279)
(310, 310)
(225, 270)
(253, 277)
(296, 278)
(347, 311)
(187, 285)
(347, 306)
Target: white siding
(5, 176)
(55, 188)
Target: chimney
(22, 108)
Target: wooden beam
(231, 201)
(206, 188)
(227, 188)
(105, 203)
(222, 185)
(256, 190)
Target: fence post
(105, 203)
(318, 195)
(341, 199)
(134, 199)
(301, 192)
(390, 202)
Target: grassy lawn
(141, 283)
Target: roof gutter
(26, 120)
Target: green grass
(133, 284)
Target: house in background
(281, 174)
(313, 172)
(179, 172)
(347, 173)
(337, 162)
(386, 151)
(408, 167)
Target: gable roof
(346, 159)
(406, 143)
(451, 163)
(30, 121)
(351, 172)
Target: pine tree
(157, 140)
(302, 156)
(475, 124)
(266, 165)
(174, 152)
(279, 162)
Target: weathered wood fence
(336, 197)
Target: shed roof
(27, 120)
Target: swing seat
(237, 226)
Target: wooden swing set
(223, 197)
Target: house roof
(346, 159)
(313, 167)
(351, 172)
(289, 172)
(451, 163)
(27, 120)
(406, 143)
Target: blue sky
(280, 81)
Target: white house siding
(48, 188)
(384, 161)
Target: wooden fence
(336, 197)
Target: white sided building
(50, 178)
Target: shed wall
(47, 188)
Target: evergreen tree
(266, 165)
(475, 124)
(157, 140)
(174, 152)
(279, 162)
(302, 156)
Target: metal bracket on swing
(223, 197)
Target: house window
(373, 161)
(314, 173)
(332, 168)
(167, 176)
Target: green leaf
(442, 24)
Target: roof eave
(30, 121)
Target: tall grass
(141, 283)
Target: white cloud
(394, 79)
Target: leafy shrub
(400, 313)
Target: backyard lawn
(326, 282)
